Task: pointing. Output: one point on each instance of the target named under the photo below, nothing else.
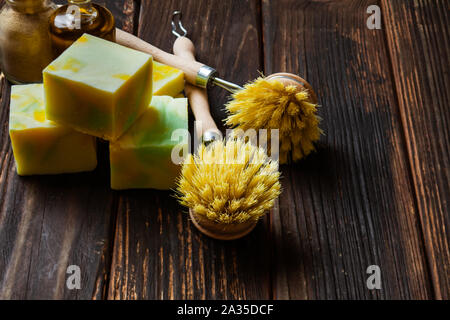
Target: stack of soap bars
(97, 88)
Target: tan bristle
(229, 182)
(264, 104)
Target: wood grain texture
(376, 192)
(125, 12)
(158, 253)
(418, 36)
(50, 222)
(351, 205)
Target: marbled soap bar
(142, 157)
(167, 81)
(98, 87)
(41, 146)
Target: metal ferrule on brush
(207, 75)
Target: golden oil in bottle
(72, 20)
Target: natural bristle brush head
(228, 185)
(281, 101)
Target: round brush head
(281, 101)
(228, 186)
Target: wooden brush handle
(198, 98)
(189, 67)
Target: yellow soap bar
(98, 87)
(167, 81)
(148, 155)
(41, 146)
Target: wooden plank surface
(158, 253)
(50, 222)
(375, 193)
(351, 205)
(418, 37)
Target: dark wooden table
(376, 192)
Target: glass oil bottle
(71, 21)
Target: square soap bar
(167, 81)
(98, 87)
(41, 146)
(142, 157)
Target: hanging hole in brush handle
(198, 99)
